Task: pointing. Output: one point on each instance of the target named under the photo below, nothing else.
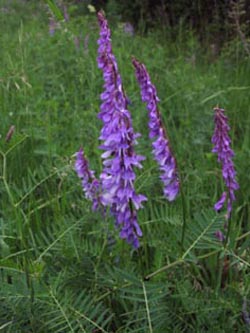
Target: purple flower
(220, 203)
(52, 26)
(219, 235)
(128, 28)
(161, 147)
(90, 184)
(119, 158)
(222, 141)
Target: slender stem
(4, 178)
(104, 245)
(162, 269)
(147, 308)
(243, 236)
(184, 226)
(223, 255)
(228, 232)
(220, 270)
(177, 262)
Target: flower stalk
(222, 142)
(161, 146)
(118, 137)
(90, 185)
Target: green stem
(184, 226)
(222, 257)
(220, 270)
(228, 232)
(177, 262)
(4, 178)
(162, 269)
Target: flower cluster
(90, 184)
(115, 187)
(222, 141)
(161, 147)
(119, 158)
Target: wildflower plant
(161, 146)
(118, 138)
(64, 263)
(115, 188)
(119, 159)
(222, 142)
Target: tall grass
(64, 268)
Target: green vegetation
(64, 268)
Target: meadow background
(64, 268)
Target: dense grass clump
(63, 267)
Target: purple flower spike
(90, 184)
(119, 157)
(220, 236)
(161, 147)
(222, 141)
